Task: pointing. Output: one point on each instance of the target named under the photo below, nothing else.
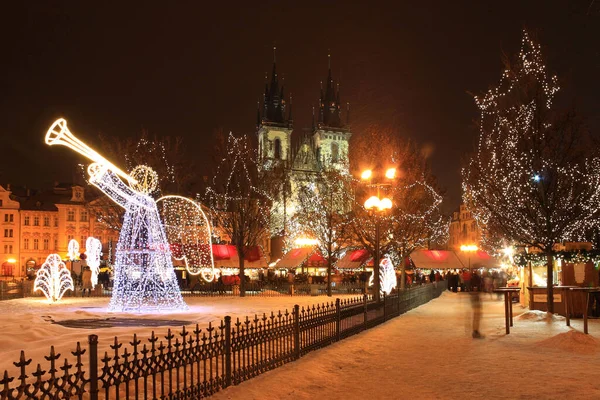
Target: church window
(334, 152)
(277, 148)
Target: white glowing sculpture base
(53, 278)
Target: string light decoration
(188, 232)
(239, 206)
(93, 251)
(144, 278)
(53, 278)
(387, 276)
(533, 180)
(73, 249)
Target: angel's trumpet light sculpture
(144, 278)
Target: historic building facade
(463, 229)
(298, 157)
(43, 223)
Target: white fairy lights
(53, 278)
(188, 232)
(73, 249)
(531, 181)
(144, 279)
(93, 251)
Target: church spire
(274, 104)
(329, 106)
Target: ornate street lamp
(377, 207)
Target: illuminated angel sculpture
(188, 232)
(144, 278)
(387, 276)
(93, 251)
(53, 278)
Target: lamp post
(377, 206)
(469, 249)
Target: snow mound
(572, 341)
(540, 316)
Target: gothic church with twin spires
(327, 144)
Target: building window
(26, 220)
(277, 148)
(55, 244)
(36, 220)
(5, 217)
(69, 238)
(335, 152)
(71, 215)
(26, 244)
(0, 203)
(83, 217)
(5, 248)
(11, 219)
(46, 221)
(10, 248)
(56, 222)
(8, 233)
(83, 239)
(46, 244)
(36, 244)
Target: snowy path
(428, 353)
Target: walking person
(86, 281)
(476, 310)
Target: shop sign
(541, 298)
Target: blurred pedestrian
(476, 308)
(86, 281)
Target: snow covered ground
(27, 324)
(428, 353)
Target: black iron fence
(253, 288)
(197, 363)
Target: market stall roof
(436, 259)
(226, 256)
(295, 257)
(478, 259)
(316, 260)
(353, 259)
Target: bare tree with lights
(415, 219)
(239, 207)
(532, 180)
(323, 213)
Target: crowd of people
(475, 280)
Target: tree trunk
(549, 282)
(329, 275)
(376, 281)
(242, 275)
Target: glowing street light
(390, 173)
(366, 174)
(469, 248)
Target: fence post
(365, 310)
(338, 319)
(296, 331)
(384, 307)
(93, 348)
(227, 351)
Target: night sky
(191, 68)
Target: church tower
(330, 134)
(274, 129)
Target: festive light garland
(53, 278)
(93, 251)
(188, 232)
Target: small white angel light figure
(53, 278)
(93, 251)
